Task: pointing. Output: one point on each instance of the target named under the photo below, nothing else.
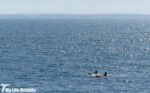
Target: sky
(74, 6)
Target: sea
(54, 54)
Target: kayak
(99, 75)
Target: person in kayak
(95, 72)
(105, 74)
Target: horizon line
(73, 14)
(68, 15)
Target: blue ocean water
(55, 55)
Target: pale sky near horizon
(74, 6)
